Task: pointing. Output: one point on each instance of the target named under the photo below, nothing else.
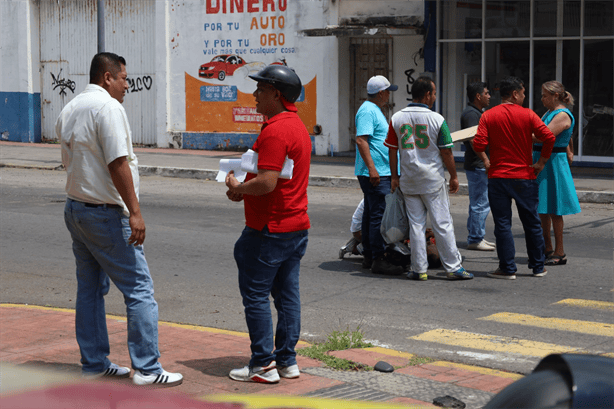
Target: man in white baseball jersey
(425, 146)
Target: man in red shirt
(507, 129)
(270, 249)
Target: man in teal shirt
(373, 172)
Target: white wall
(178, 48)
(407, 65)
(20, 105)
(380, 8)
(343, 109)
(19, 70)
(329, 98)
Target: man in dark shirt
(477, 179)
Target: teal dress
(557, 193)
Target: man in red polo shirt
(507, 129)
(270, 249)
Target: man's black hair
(422, 86)
(509, 85)
(475, 88)
(105, 62)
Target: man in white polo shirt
(104, 219)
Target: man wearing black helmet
(270, 249)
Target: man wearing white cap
(373, 172)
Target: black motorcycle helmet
(282, 78)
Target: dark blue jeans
(525, 194)
(375, 204)
(269, 264)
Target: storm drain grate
(397, 384)
(351, 392)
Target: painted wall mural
(234, 39)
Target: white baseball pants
(437, 205)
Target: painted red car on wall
(221, 66)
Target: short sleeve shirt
(371, 121)
(283, 210)
(507, 130)
(93, 130)
(418, 133)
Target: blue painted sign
(218, 93)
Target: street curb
(185, 173)
(362, 355)
(584, 196)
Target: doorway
(368, 57)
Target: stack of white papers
(226, 165)
(249, 164)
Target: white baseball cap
(379, 83)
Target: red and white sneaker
(262, 374)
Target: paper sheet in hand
(226, 165)
(464, 134)
(249, 163)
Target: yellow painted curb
(36, 307)
(257, 402)
(165, 323)
(390, 352)
(478, 369)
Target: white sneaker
(161, 380)
(113, 371)
(490, 243)
(289, 372)
(483, 246)
(261, 374)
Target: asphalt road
(191, 231)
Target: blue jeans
(479, 208)
(269, 264)
(525, 194)
(375, 204)
(100, 244)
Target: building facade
(570, 41)
(188, 62)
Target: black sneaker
(383, 266)
(367, 262)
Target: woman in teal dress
(557, 193)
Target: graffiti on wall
(139, 84)
(62, 83)
(410, 80)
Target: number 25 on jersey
(419, 134)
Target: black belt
(96, 205)
(556, 149)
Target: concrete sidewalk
(593, 185)
(44, 337)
